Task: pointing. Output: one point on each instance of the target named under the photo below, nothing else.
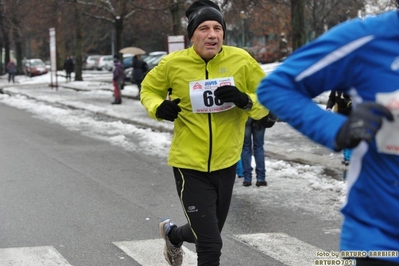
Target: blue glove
(232, 94)
(168, 110)
(362, 124)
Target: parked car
(155, 60)
(127, 60)
(128, 74)
(152, 59)
(105, 62)
(34, 67)
(90, 62)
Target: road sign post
(53, 59)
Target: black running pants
(205, 199)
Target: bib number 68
(210, 100)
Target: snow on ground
(291, 185)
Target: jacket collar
(197, 57)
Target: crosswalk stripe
(282, 247)
(150, 252)
(32, 256)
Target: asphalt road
(84, 200)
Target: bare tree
(378, 6)
(5, 40)
(78, 43)
(114, 12)
(176, 11)
(13, 14)
(81, 29)
(298, 23)
(324, 14)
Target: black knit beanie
(201, 11)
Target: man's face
(207, 39)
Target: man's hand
(168, 110)
(232, 94)
(362, 124)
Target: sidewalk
(281, 141)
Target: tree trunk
(60, 43)
(2, 43)
(18, 53)
(78, 47)
(118, 34)
(2, 65)
(18, 43)
(7, 50)
(298, 23)
(176, 10)
(5, 30)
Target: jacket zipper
(210, 127)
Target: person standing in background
(12, 71)
(117, 79)
(254, 141)
(68, 66)
(341, 103)
(140, 68)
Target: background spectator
(117, 79)
(68, 66)
(12, 71)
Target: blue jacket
(360, 57)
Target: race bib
(387, 137)
(203, 98)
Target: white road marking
(150, 252)
(32, 256)
(282, 247)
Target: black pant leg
(205, 198)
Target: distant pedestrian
(140, 68)
(117, 79)
(254, 141)
(341, 103)
(12, 70)
(68, 67)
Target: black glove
(231, 94)
(168, 110)
(269, 120)
(362, 124)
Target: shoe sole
(163, 235)
(160, 227)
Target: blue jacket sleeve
(319, 66)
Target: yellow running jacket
(204, 142)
